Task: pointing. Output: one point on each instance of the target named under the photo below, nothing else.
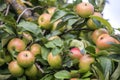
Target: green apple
(55, 61)
(25, 59)
(31, 71)
(16, 45)
(35, 49)
(84, 9)
(15, 69)
(44, 21)
(91, 24)
(85, 62)
(51, 10)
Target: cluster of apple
(100, 36)
(44, 19)
(102, 39)
(23, 61)
(24, 57)
(85, 60)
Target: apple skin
(96, 33)
(105, 41)
(44, 21)
(16, 45)
(31, 71)
(15, 69)
(2, 61)
(84, 9)
(85, 62)
(25, 59)
(27, 37)
(75, 53)
(35, 49)
(90, 22)
(7, 58)
(54, 61)
(74, 79)
(55, 24)
(51, 10)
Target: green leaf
(58, 42)
(75, 2)
(106, 64)
(21, 78)
(29, 26)
(115, 48)
(44, 52)
(104, 22)
(87, 74)
(71, 22)
(77, 43)
(5, 40)
(68, 17)
(116, 73)
(63, 74)
(99, 73)
(47, 77)
(90, 49)
(56, 51)
(9, 30)
(57, 15)
(4, 77)
(50, 44)
(9, 20)
(115, 57)
(2, 5)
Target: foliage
(12, 25)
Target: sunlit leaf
(58, 14)
(30, 26)
(63, 74)
(56, 51)
(44, 52)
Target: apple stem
(38, 66)
(85, 4)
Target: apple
(31, 71)
(25, 59)
(7, 58)
(27, 37)
(96, 33)
(35, 49)
(2, 61)
(97, 50)
(16, 45)
(51, 10)
(84, 9)
(55, 61)
(15, 69)
(91, 24)
(55, 24)
(85, 62)
(74, 79)
(44, 21)
(75, 53)
(105, 41)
